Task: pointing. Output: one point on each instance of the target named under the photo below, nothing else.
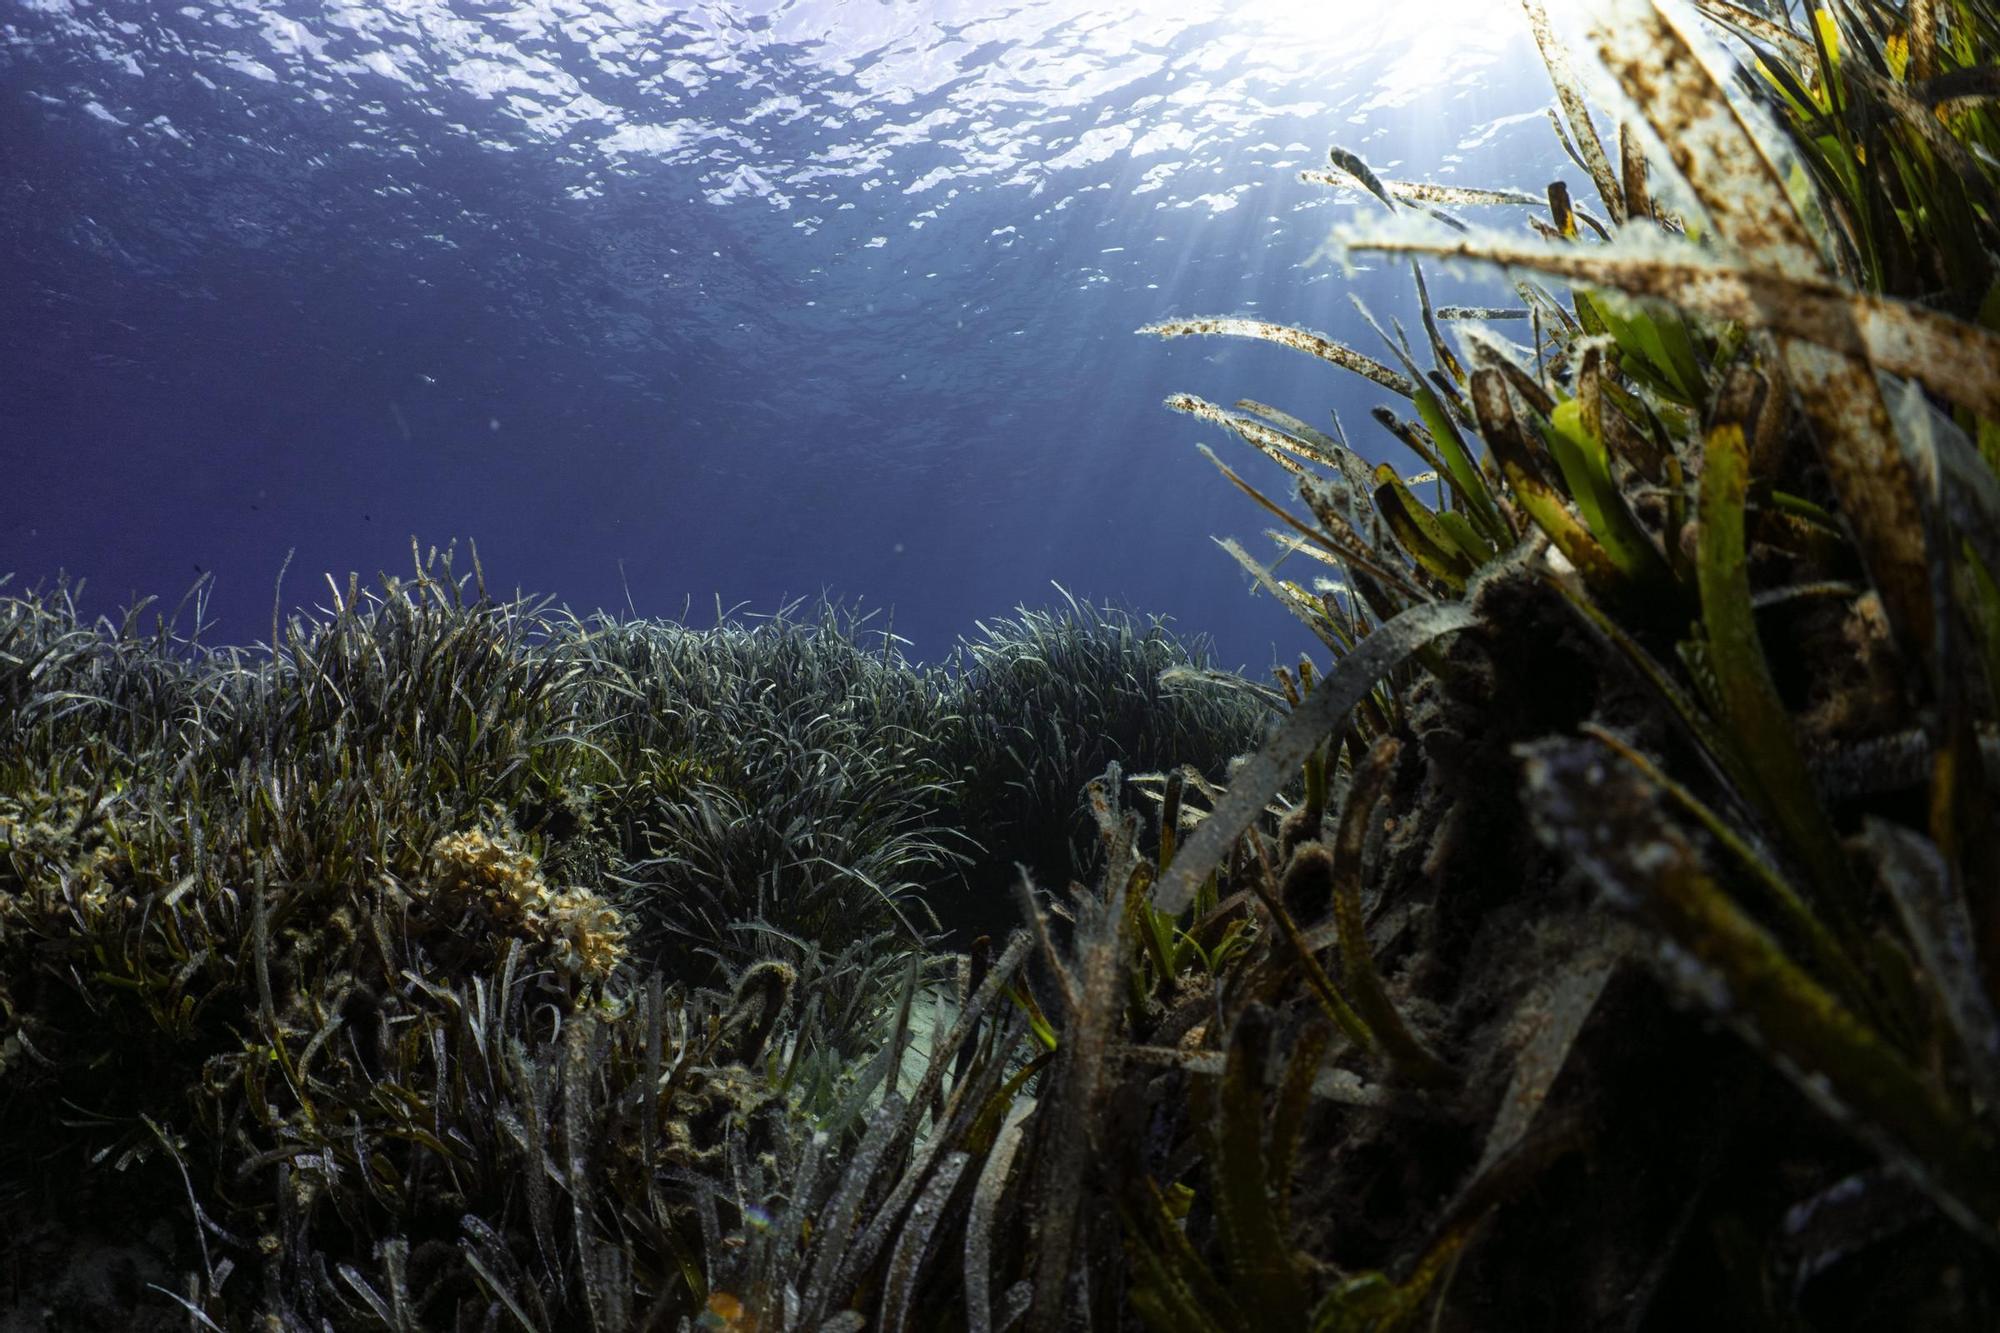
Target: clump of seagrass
(1703, 621)
(320, 964)
(773, 794)
(1043, 701)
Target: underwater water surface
(669, 304)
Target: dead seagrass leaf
(1338, 540)
(1857, 444)
(1936, 919)
(1281, 448)
(1324, 447)
(1953, 473)
(1754, 25)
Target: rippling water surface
(679, 301)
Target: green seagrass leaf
(1265, 1272)
(1419, 532)
(1756, 721)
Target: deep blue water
(680, 302)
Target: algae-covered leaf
(1826, 950)
(1332, 1003)
(1723, 148)
(1570, 95)
(1426, 192)
(1288, 1118)
(986, 1192)
(913, 1243)
(1069, 1117)
(1482, 313)
(835, 1229)
(1312, 344)
(1957, 360)
(1265, 1271)
(1412, 1059)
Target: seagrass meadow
(1600, 930)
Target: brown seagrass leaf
(1489, 353)
(1720, 145)
(1632, 165)
(1923, 38)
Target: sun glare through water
(1445, 24)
